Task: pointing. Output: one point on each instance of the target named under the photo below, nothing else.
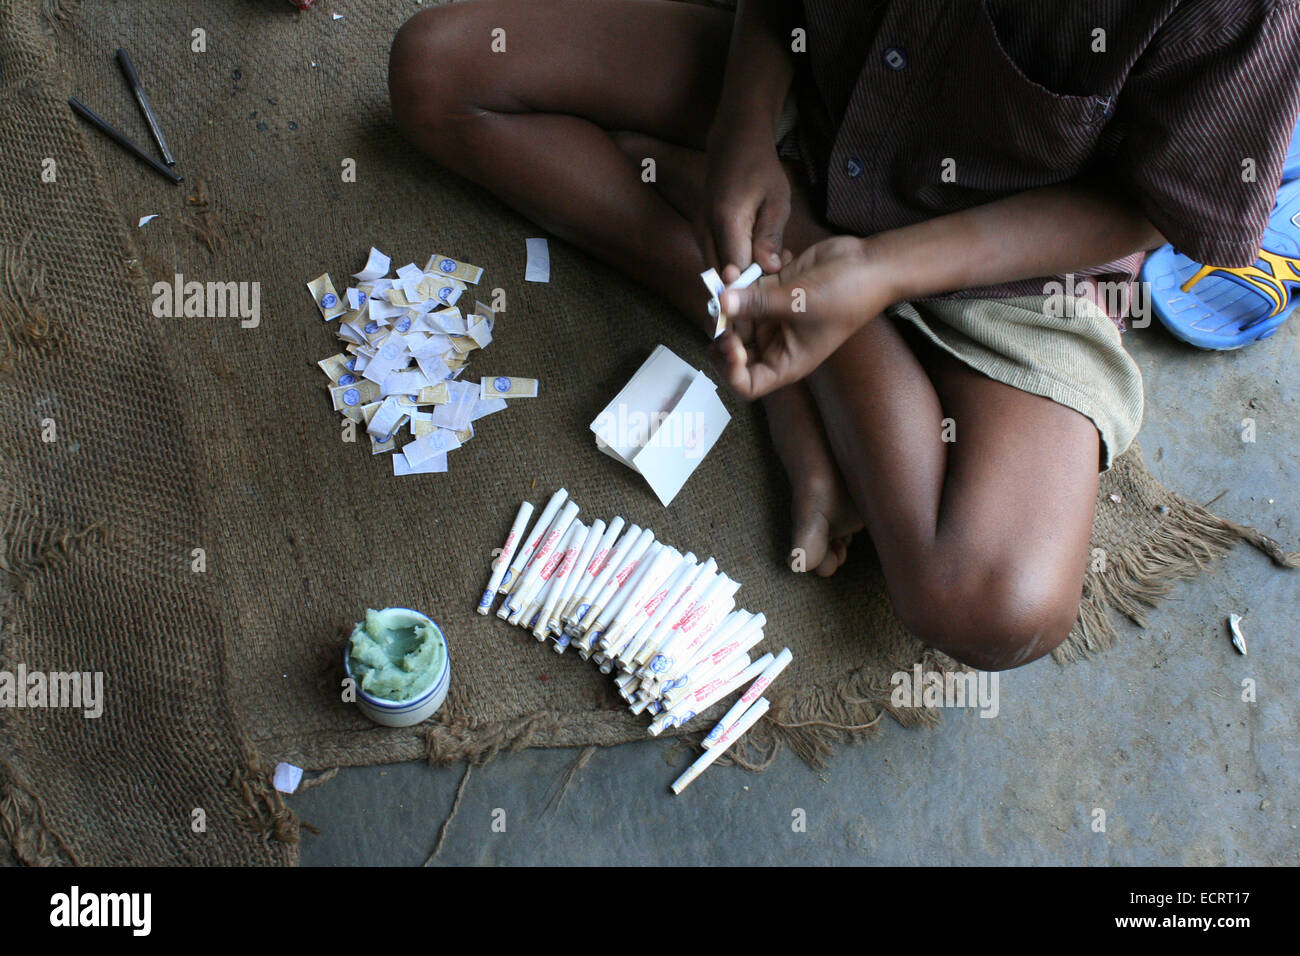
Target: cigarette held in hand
(713, 282)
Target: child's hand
(748, 196)
(784, 326)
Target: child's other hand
(782, 327)
(747, 196)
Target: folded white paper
(663, 422)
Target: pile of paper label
(666, 621)
(407, 342)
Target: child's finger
(729, 357)
(768, 229)
(767, 298)
(732, 228)
(704, 236)
(743, 369)
(755, 379)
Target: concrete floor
(1154, 732)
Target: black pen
(128, 69)
(86, 113)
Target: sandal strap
(1276, 286)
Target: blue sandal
(1220, 308)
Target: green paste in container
(396, 654)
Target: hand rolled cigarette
(501, 564)
(532, 540)
(526, 588)
(723, 682)
(712, 687)
(713, 282)
(632, 562)
(739, 624)
(571, 581)
(650, 564)
(751, 694)
(716, 648)
(633, 543)
(655, 631)
(567, 555)
(591, 571)
(694, 626)
(621, 628)
(642, 624)
(748, 719)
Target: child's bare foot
(824, 516)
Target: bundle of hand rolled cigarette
(666, 621)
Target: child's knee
(994, 618)
(428, 70)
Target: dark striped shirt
(910, 110)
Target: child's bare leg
(533, 124)
(984, 540)
(557, 127)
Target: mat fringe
(27, 544)
(265, 809)
(24, 828)
(1188, 539)
(464, 739)
(848, 710)
(579, 762)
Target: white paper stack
(663, 422)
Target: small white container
(405, 713)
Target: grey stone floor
(1154, 732)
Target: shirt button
(853, 167)
(895, 58)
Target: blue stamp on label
(659, 664)
(447, 265)
(505, 579)
(329, 300)
(486, 599)
(351, 396)
(347, 378)
(502, 384)
(351, 364)
(372, 328)
(444, 294)
(404, 325)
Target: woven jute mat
(177, 434)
